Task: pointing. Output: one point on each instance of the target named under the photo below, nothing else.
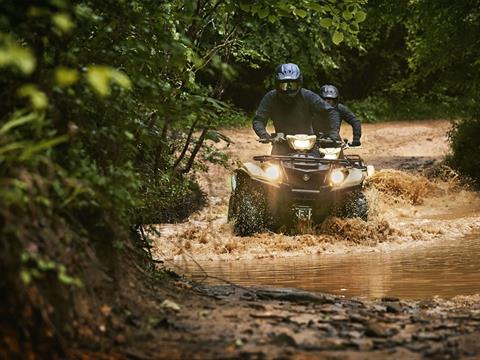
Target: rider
(292, 109)
(331, 95)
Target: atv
(316, 179)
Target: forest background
(109, 108)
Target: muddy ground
(415, 201)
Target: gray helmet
(288, 79)
(330, 92)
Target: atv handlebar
(274, 138)
(322, 141)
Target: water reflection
(445, 269)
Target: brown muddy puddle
(445, 269)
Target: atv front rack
(351, 160)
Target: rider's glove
(355, 143)
(265, 139)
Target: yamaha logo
(306, 177)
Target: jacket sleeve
(348, 115)
(262, 115)
(321, 105)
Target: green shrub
(377, 109)
(465, 142)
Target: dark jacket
(345, 114)
(297, 116)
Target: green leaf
(64, 278)
(26, 277)
(326, 22)
(213, 135)
(263, 12)
(63, 22)
(353, 27)
(65, 77)
(337, 37)
(347, 15)
(300, 12)
(121, 79)
(11, 147)
(16, 56)
(99, 77)
(38, 99)
(44, 145)
(360, 16)
(17, 121)
(244, 6)
(315, 7)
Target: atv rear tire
(355, 205)
(247, 209)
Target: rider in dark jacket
(331, 95)
(293, 109)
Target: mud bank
(226, 322)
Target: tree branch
(185, 147)
(199, 144)
(159, 148)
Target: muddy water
(445, 269)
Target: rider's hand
(355, 143)
(265, 139)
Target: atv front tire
(355, 205)
(247, 209)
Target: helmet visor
(289, 85)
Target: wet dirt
(406, 208)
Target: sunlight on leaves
(13, 55)
(38, 99)
(360, 16)
(337, 37)
(65, 77)
(326, 23)
(99, 78)
(63, 22)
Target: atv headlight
(337, 177)
(273, 172)
(301, 142)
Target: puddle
(445, 269)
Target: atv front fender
(354, 179)
(254, 172)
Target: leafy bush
(377, 109)
(465, 142)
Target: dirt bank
(410, 203)
(225, 322)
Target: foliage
(465, 144)
(380, 108)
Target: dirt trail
(413, 200)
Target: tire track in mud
(414, 200)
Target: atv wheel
(247, 209)
(355, 205)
